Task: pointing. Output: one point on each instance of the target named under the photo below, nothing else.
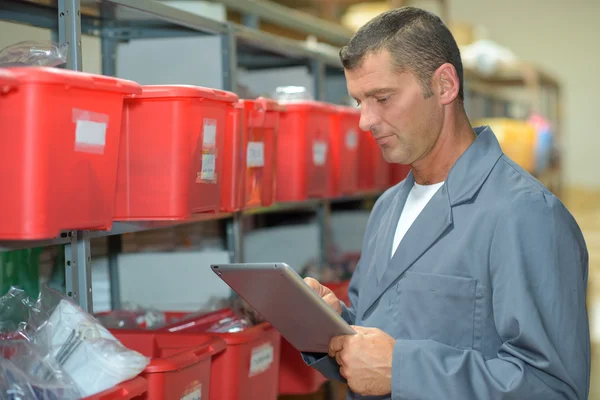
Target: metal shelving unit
(122, 20)
(114, 21)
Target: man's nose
(368, 120)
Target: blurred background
(531, 73)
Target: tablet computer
(282, 297)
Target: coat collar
(462, 184)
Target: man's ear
(446, 83)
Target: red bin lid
(68, 78)
(348, 110)
(308, 105)
(165, 91)
(265, 104)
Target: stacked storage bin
(172, 152)
(181, 366)
(248, 368)
(374, 171)
(250, 155)
(303, 151)
(398, 172)
(344, 152)
(133, 389)
(518, 140)
(61, 154)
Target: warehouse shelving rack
(123, 20)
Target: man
(472, 279)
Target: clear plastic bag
(30, 53)
(83, 348)
(67, 350)
(132, 317)
(15, 312)
(26, 374)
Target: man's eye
(383, 100)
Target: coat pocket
(437, 307)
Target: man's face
(393, 107)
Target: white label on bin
(208, 172)
(261, 359)
(319, 153)
(195, 395)
(255, 154)
(90, 136)
(351, 139)
(210, 132)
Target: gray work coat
(486, 293)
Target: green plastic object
(21, 268)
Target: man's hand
(365, 360)
(325, 293)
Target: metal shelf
(118, 20)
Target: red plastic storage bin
(59, 148)
(295, 376)
(172, 152)
(374, 170)
(250, 155)
(398, 172)
(344, 152)
(303, 151)
(248, 369)
(181, 364)
(135, 388)
(340, 289)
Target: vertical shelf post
(108, 43)
(324, 222)
(69, 31)
(115, 246)
(78, 270)
(229, 59)
(318, 74)
(235, 237)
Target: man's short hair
(418, 41)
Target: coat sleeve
(322, 362)
(538, 272)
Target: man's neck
(456, 137)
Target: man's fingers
(338, 358)
(336, 345)
(314, 284)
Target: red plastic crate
(374, 170)
(340, 289)
(250, 155)
(344, 152)
(135, 388)
(295, 376)
(59, 147)
(248, 369)
(172, 152)
(180, 365)
(398, 172)
(303, 151)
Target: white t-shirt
(417, 199)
